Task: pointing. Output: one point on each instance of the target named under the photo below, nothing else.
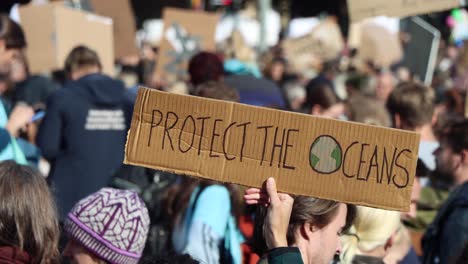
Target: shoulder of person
(284, 255)
(58, 95)
(461, 199)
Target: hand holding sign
(278, 213)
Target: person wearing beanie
(109, 226)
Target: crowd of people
(66, 197)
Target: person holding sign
(300, 229)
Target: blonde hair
(371, 229)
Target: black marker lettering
(243, 139)
(280, 146)
(361, 161)
(189, 117)
(153, 125)
(388, 169)
(403, 168)
(344, 160)
(213, 136)
(286, 149)
(264, 141)
(166, 129)
(373, 163)
(202, 132)
(224, 141)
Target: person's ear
(435, 117)
(464, 156)
(316, 110)
(306, 230)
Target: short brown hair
(363, 109)
(28, 213)
(317, 212)
(321, 94)
(11, 33)
(81, 57)
(413, 102)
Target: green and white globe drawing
(325, 155)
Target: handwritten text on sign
(384, 163)
(243, 144)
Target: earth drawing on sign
(325, 155)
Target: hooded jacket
(83, 137)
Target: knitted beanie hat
(112, 224)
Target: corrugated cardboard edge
(396, 10)
(139, 109)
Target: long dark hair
(11, 33)
(28, 213)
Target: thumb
(271, 190)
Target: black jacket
(448, 234)
(83, 137)
(34, 90)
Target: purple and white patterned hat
(112, 224)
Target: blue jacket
(9, 148)
(83, 137)
(448, 234)
(208, 229)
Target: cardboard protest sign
(53, 30)
(185, 34)
(324, 42)
(377, 44)
(231, 142)
(359, 9)
(124, 24)
(421, 49)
